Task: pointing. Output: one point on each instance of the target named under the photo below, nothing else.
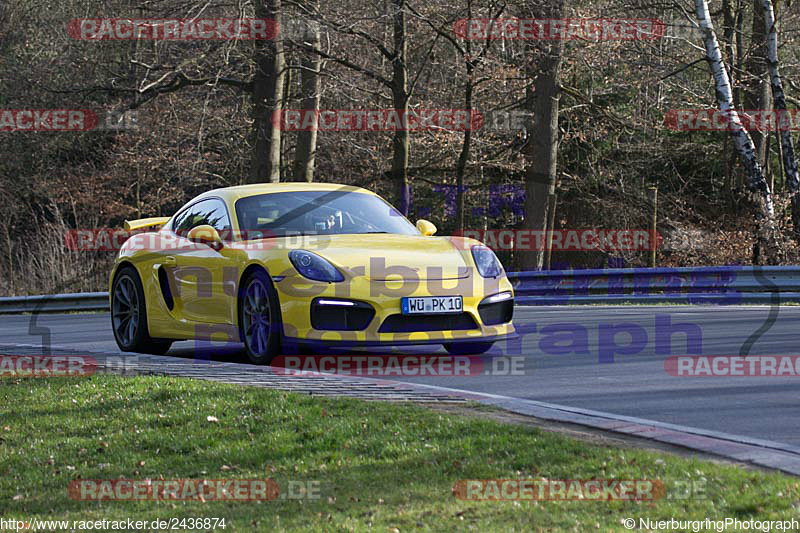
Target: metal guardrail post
(653, 220)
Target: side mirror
(205, 234)
(425, 227)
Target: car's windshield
(318, 213)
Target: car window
(319, 213)
(211, 212)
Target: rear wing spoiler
(153, 222)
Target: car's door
(201, 274)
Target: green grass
(379, 466)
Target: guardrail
(55, 303)
(728, 285)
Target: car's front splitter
(293, 342)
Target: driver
(332, 221)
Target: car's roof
(231, 194)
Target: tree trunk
(728, 29)
(790, 171)
(743, 143)
(737, 88)
(463, 157)
(400, 142)
(305, 152)
(268, 85)
(756, 94)
(741, 139)
(541, 152)
(466, 146)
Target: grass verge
(374, 465)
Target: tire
(467, 348)
(129, 315)
(259, 318)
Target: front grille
(497, 313)
(412, 323)
(341, 318)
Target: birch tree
(779, 104)
(743, 143)
(741, 139)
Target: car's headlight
(312, 266)
(487, 263)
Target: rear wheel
(129, 315)
(259, 318)
(467, 348)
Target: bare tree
(541, 151)
(742, 141)
(268, 85)
(471, 63)
(400, 99)
(399, 84)
(310, 65)
(756, 94)
(779, 104)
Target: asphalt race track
(603, 358)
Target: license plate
(432, 304)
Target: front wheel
(259, 318)
(467, 348)
(129, 315)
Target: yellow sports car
(287, 266)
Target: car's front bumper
(296, 295)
